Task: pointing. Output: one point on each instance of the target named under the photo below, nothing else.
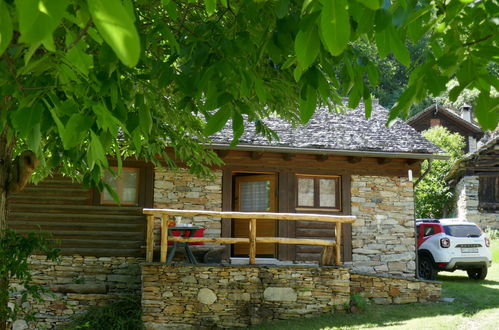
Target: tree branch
(478, 40)
(81, 35)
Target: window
(318, 192)
(126, 186)
(429, 230)
(488, 193)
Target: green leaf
(371, 4)
(372, 74)
(95, 153)
(39, 18)
(487, 111)
(335, 25)
(308, 102)
(137, 139)
(211, 6)
(5, 27)
(81, 60)
(368, 103)
(117, 28)
(383, 43)
(76, 129)
(398, 48)
(237, 127)
(307, 46)
(25, 119)
(282, 8)
(217, 121)
(145, 120)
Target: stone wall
(237, 296)
(383, 239)
(77, 283)
(184, 191)
(467, 204)
(394, 290)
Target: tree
(84, 79)
(434, 198)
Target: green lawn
(476, 306)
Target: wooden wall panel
(67, 211)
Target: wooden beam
(253, 215)
(383, 160)
(412, 161)
(288, 156)
(256, 155)
(354, 159)
(164, 238)
(252, 239)
(338, 244)
(321, 158)
(222, 153)
(150, 238)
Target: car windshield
(462, 230)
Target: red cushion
(198, 233)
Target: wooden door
(255, 193)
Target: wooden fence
(331, 247)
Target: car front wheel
(477, 273)
(426, 269)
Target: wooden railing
(252, 240)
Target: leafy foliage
(14, 252)
(433, 196)
(120, 315)
(83, 79)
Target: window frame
(316, 197)
(120, 186)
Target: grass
(476, 306)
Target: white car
(450, 244)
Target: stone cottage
(476, 180)
(336, 164)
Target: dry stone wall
(76, 283)
(238, 296)
(383, 239)
(467, 204)
(394, 290)
(184, 191)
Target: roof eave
(358, 153)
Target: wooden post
(338, 243)
(252, 244)
(164, 238)
(150, 238)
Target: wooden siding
(68, 212)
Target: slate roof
(332, 132)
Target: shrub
(120, 315)
(15, 250)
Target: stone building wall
(76, 283)
(184, 191)
(467, 204)
(383, 238)
(238, 296)
(394, 290)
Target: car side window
(430, 230)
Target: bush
(15, 250)
(120, 315)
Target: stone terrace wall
(467, 204)
(237, 296)
(184, 191)
(77, 283)
(383, 239)
(394, 290)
